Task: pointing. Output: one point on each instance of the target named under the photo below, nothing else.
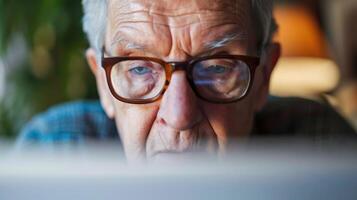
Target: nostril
(180, 122)
(161, 121)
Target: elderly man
(182, 76)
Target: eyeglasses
(216, 79)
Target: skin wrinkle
(174, 15)
(137, 143)
(153, 23)
(154, 27)
(184, 137)
(190, 141)
(163, 141)
(200, 139)
(121, 44)
(125, 44)
(211, 46)
(179, 148)
(217, 6)
(172, 26)
(181, 19)
(151, 126)
(160, 137)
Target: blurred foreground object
(276, 170)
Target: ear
(268, 62)
(104, 94)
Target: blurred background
(42, 56)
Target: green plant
(53, 68)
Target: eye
(140, 70)
(217, 69)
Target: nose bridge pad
(171, 67)
(184, 66)
(169, 70)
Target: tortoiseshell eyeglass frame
(171, 67)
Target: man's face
(180, 123)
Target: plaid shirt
(282, 117)
(70, 122)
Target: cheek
(231, 121)
(134, 123)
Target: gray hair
(95, 16)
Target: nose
(179, 107)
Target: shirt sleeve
(300, 118)
(68, 123)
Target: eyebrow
(225, 40)
(127, 44)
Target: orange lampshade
(299, 33)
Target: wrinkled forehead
(178, 13)
(205, 21)
(181, 6)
